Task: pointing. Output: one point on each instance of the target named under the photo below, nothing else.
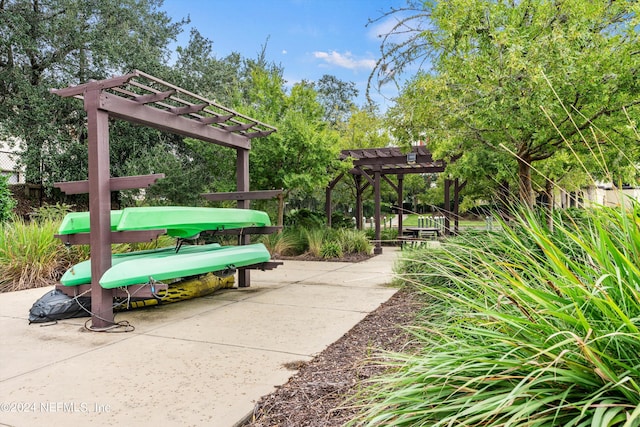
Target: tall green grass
(528, 327)
(318, 242)
(31, 257)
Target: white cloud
(345, 60)
(284, 51)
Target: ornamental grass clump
(528, 327)
(30, 255)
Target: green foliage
(331, 249)
(530, 326)
(7, 202)
(31, 257)
(315, 238)
(54, 213)
(282, 244)
(496, 64)
(353, 241)
(56, 43)
(336, 98)
(304, 218)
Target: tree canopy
(510, 84)
(55, 43)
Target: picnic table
(417, 235)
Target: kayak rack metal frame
(143, 99)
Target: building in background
(9, 156)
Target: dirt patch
(318, 394)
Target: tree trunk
(524, 182)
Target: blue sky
(308, 38)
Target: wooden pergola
(372, 165)
(140, 98)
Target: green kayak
(80, 274)
(78, 222)
(189, 221)
(179, 221)
(145, 269)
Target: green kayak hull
(147, 269)
(78, 222)
(80, 274)
(179, 221)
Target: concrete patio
(201, 362)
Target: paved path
(203, 362)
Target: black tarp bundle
(56, 305)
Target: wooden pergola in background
(140, 98)
(371, 165)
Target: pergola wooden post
(140, 98)
(242, 184)
(99, 206)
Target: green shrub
(305, 218)
(284, 243)
(532, 326)
(354, 241)
(31, 257)
(55, 212)
(7, 202)
(331, 249)
(314, 238)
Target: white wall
(8, 163)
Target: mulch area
(317, 395)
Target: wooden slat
(154, 97)
(115, 184)
(100, 84)
(154, 117)
(116, 237)
(215, 119)
(239, 127)
(259, 134)
(188, 109)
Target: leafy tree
(7, 202)
(299, 155)
(336, 98)
(198, 70)
(54, 43)
(365, 128)
(495, 64)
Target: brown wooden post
(242, 184)
(359, 210)
(99, 208)
(400, 203)
(376, 189)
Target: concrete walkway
(203, 362)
